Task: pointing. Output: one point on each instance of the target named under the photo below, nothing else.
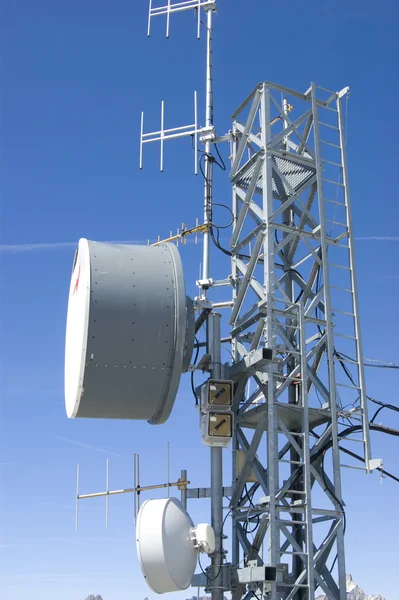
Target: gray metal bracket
(251, 362)
(205, 492)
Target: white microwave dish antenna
(168, 544)
(129, 334)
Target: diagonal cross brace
(259, 470)
(249, 459)
(247, 277)
(246, 132)
(247, 200)
(251, 549)
(291, 128)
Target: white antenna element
(168, 466)
(136, 483)
(178, 7)
(77, 497)
(168, 134)
(107, 491)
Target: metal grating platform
(296, 174)
(290, 415)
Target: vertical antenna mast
(207, 133)
(207, 137)
(107, 491)
(77, 497)
(209, 8)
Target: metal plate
(296, 175)
(290, 415)
(126, 331)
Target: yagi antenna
(136, 490)
(168, 134)
(207, 132)
(177, 7)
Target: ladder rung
(335, 287)
(293, 379)
(347, 337)
(335, 242)
(289, 522)
(350, 439)
(342, 312)
(351, 387)
(341, 236)
(336, 223)
(284, 325)
(292, 553)
(339, 266)
(330, 162)
(352, 467)
(332, 182)
(326, 107)
(319, 87)
(335, 202)
(294, 585)
(330, 144)
(328, 125)
(294, 492)
(345, 360)
(292, 462)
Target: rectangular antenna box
(216, 394)
(217, 428)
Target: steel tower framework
(294, 292)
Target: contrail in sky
(32, 247)
(11, 576)
(379, 238)
(18, 248)
(88, 446)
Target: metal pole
(216, 584)
(213, 329)
(269, 283)
(330, 350)
(208, 171)
(107, 490)
(183, 493)
(168, 453)
(297, 530)
(358, 332)
(77, 498)
(217, 520)
(134, 487)
(138, 483)
(235, 545)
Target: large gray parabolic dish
(126, 335)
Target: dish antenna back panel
(126, 335)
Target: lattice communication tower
(294, 387)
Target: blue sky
(74, 78)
